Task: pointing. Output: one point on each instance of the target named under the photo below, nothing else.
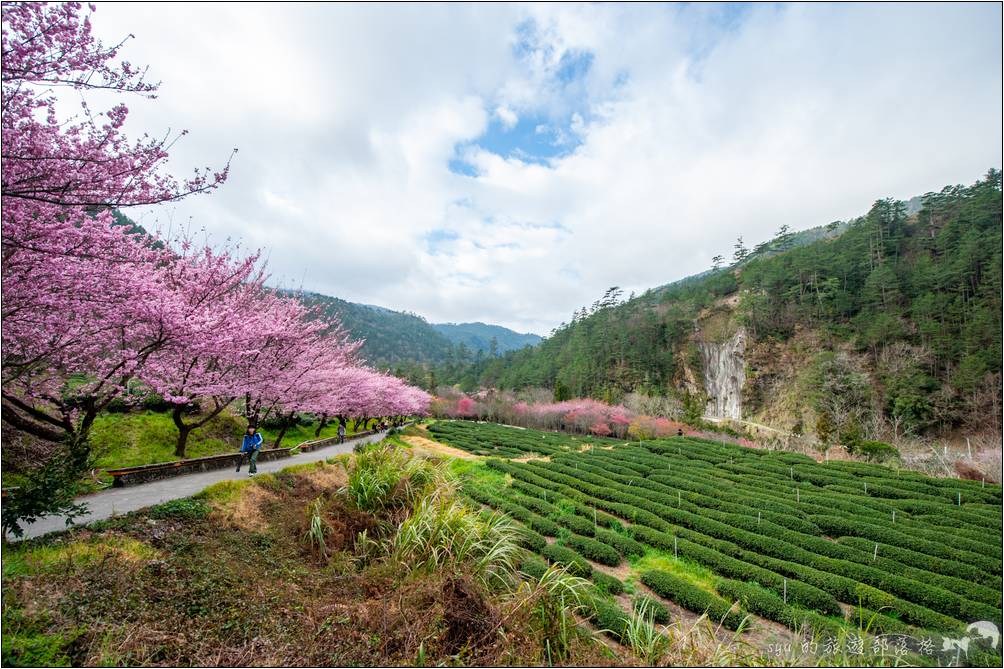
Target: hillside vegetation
(369, 560)
(896, 313)
(391, 337)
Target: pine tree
(741, 252)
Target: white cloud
(695, 126)
(506, 116)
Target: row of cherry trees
(92, 308)
(582, 416)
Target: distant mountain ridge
(395, 338)
(479, 336)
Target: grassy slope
(227, 578)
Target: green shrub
(576, 524)
(533, 521)
(623, 544)
(536, 505)
(119, 405)
(186, 508)
(27, 641)
(964, 588)
(874, 622)
(155, 402)
(562, 555)
(837, 526)
(530, 540)
(768, 605)
(798, 592)
(540, 524)
(877, 451)
(607, 583)
(691, 597)
(608, 617)
(917, 560)
(533, 567)
(593, 550)
(920, 616)
(655, 608)
(598, 518)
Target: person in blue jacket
(250, 447)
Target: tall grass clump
(450, 545)
(317, 529)
(442, 533)
(641, 635)
(706, 643)
(382, 477)
(549, 600)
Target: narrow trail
(747, 422)
(118, 501)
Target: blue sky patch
(543, 133)
(458, 166)
(534, 139)
(574, 65)
(436, 240)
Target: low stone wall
(309, 446)
(144, 473)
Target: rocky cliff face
(724, 375)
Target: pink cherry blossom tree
(231, 321)
(82, 296)
(299, 355)
(86, 303)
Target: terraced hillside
(820, 547)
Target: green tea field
(750, 537)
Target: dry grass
(436, 448)
(245, 511)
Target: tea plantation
(509, 442)
(805, 544)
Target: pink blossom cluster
(91, 309)
(581, 416)
(584, 416)
(648, 427)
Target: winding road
(118, 501)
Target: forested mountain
(491, 339)
(898, 310)
(408, 344)
(391, 337)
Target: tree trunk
(287, 421)
(183, 430)
(320, 425)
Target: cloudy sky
(509, 163)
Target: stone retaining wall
(144, 473)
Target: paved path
(117, 501)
